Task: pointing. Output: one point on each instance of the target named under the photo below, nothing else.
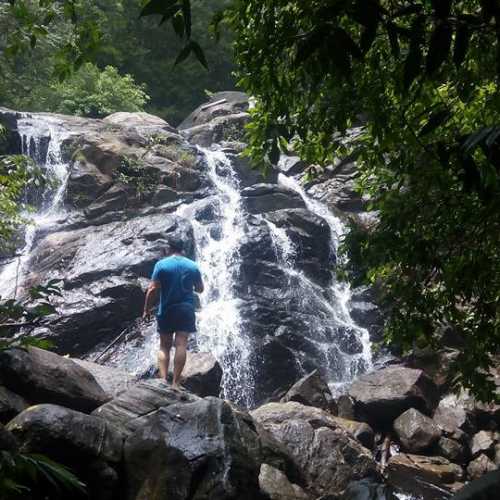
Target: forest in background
(132, 68)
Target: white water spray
(33, 132)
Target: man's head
(175, 245)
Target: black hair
(175, 244)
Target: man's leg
(181, 340)
(164, 354)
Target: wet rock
(10, 404)
(64, 433)
(480, 466)
(112, 380)
(214, 452)
(416, 431)
(262, 198)
(328, 456)
(484, 488)
(276, 486)
(311, 390)
(44, 377)
(86, 444)
(452, 450)
(7, 440)
(345, 405)
(381, 396)
(132, 409)
(247, 175)
(483, 442)
(360, 430)
(433, 478)
(291, 165)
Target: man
(176, 278)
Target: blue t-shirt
(177, 276)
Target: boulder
(452, 450)
(311, 390)
(112, 380)
(132, 408)
(10, 404)
(143, 123)
(480, 466)
(88, 445)
(381, 396)
(432, 478)
(360, 430)
(219, 104)
(262, 198)
(483, 442)
(484, 488)
(416, 431)
(202, 374)
(328, 456)
(247, 175)
(276, 486)
(212, 450)
(497, 454)
(44, 377)
(451, 415)
(291, 165)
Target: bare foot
(176, 386)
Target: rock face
(311, 390)
(434, 478)
(381, 396)
(328, 455)
(416, 432)
(10, 404)
(210, 448)
(41, 376)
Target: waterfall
(341, 364)
(38, 133)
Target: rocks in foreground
(432, 478)
(328, 455)
(44, 377)
(416, 431)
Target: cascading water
(340, 364)
(41, 140)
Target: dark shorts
(178, 318)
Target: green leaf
(439, 47)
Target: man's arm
(199, 287)
(151, 298)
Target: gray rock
(132, 408)
(483, 442)
(368, 490)
(329, 457)
(276, 486)
(497, 454)
(416, 431)
(311, 390)
(262, 198)
(291, 165)
(480, 466)
(44, 377)
(202, 374)
(451, 415)
(143, 123)
(89, 446)
(452, 450)
(214, 452)
(433, 478)
(63, 433)
(10, 404)
(381, 396)
(112, 380)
